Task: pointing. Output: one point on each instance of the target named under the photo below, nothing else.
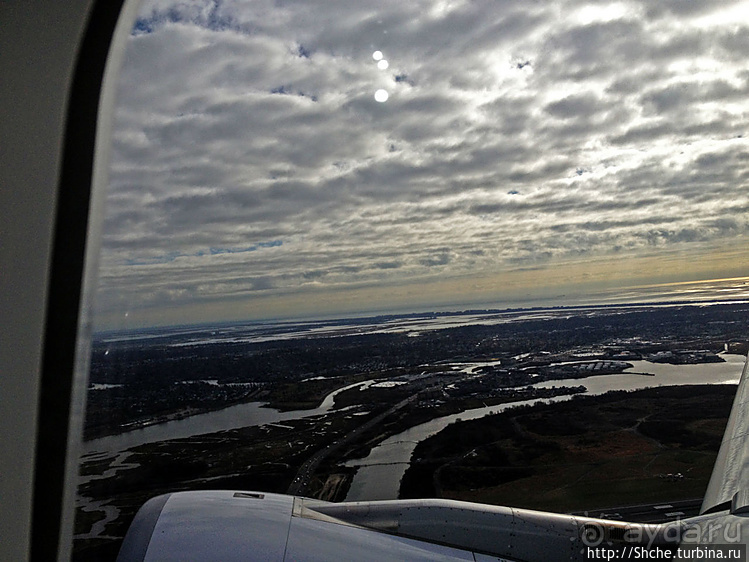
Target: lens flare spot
(377, 55)
(381, 96)
(383, 64)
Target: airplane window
(359, 251)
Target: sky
(280, 159)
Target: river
(233, 417)
(380, 472)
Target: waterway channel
(114, 447)
(380, 472)
(233, 417)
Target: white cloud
(513, 135)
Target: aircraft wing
(229, 526)
(730, 478)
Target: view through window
(344, 241)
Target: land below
(621, 448)
(139, 382)
(645, 446)
(569, 456)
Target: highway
(302, 478)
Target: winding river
(113, 448)
(380, 472)
(233, 417)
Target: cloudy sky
(527, 152)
